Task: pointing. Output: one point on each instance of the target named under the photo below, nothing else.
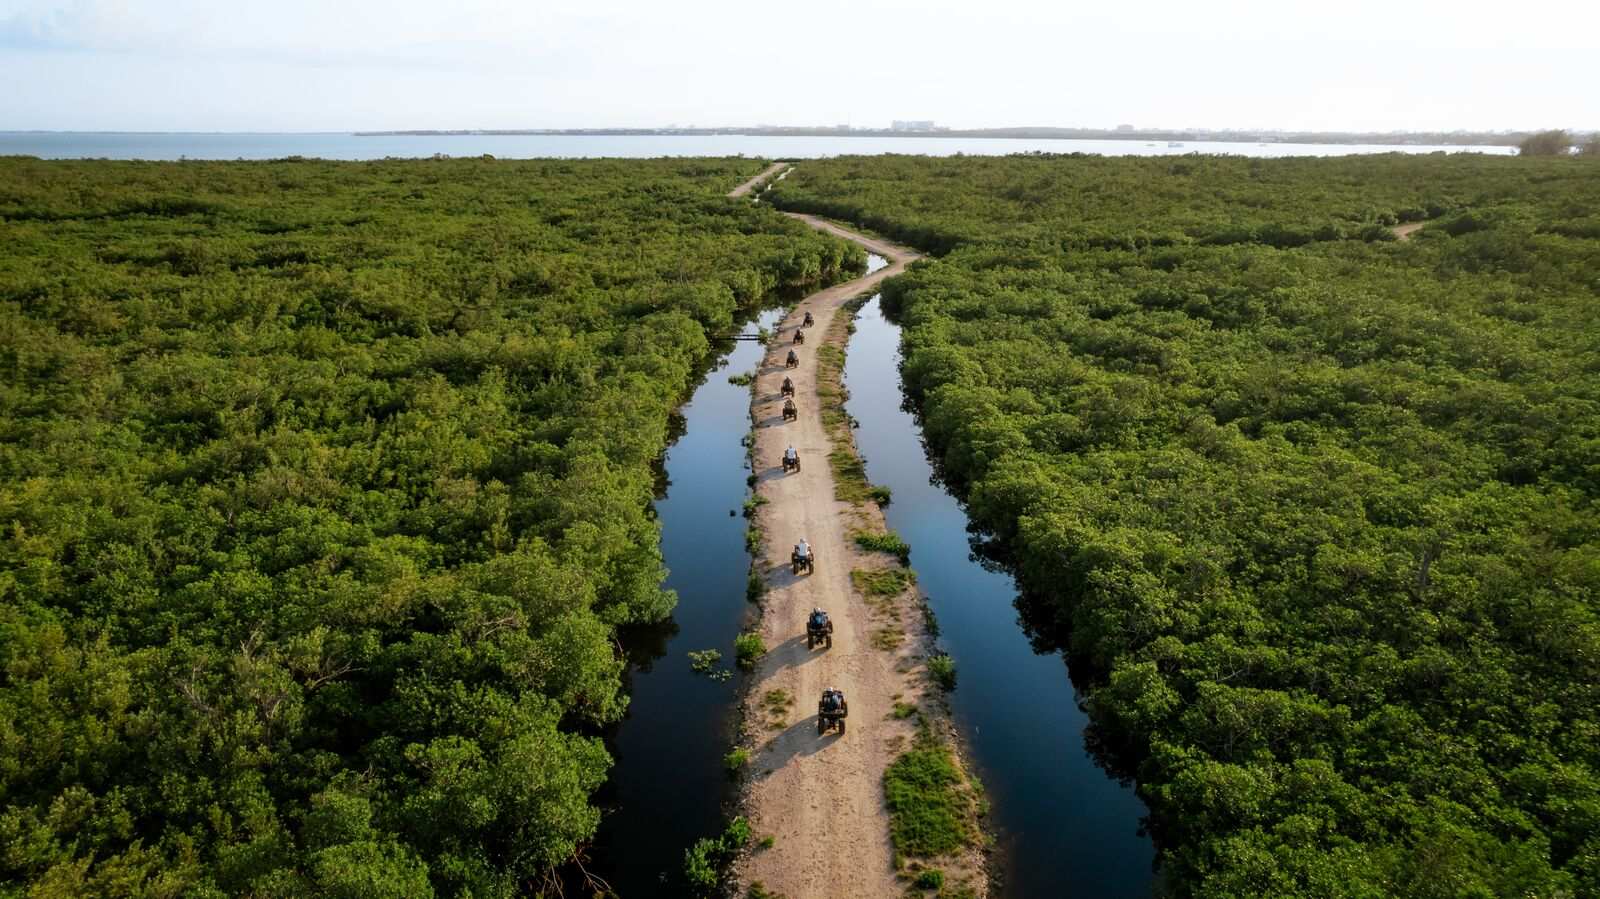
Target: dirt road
(1404, 232)
(819, 797)
(750, 185)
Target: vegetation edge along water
(327, 485)
(1315, 509)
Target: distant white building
(912, 125)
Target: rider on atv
(831, 709)
(791, 459)
(793, 360)
(802, 558)
(818, 629)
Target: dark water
(1066, 827)
(337, 145)
(668, 787)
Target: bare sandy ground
(1404, 232)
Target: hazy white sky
(383, 64)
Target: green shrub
(755, 586)
(928, 879)
(704, 862)
(942, 669)
(736, 759)
(747, 648)
(701, 867)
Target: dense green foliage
(1315, 510)
(324, 486)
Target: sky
(341, 65)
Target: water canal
(1066, 827)
(668, 787)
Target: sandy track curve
(821, 798)
(755, 182)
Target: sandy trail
(820, 797)
(750, 185)
(1404, 232)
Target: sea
(344, 145)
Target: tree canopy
(1546, 143)
(1316, 512)
(324, 488)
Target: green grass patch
(736, 759)
(753, 539)
(903, 710)
(888, 639)
(752, 503)
(930, 811)
(849, 473)
(880, 494)
(755, 586)
(747, 648)
(942, 669)
(887, 542)
(882, 581)
(928, 879)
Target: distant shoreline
(1270, 137)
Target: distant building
(912, 125)
(1124, 127)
